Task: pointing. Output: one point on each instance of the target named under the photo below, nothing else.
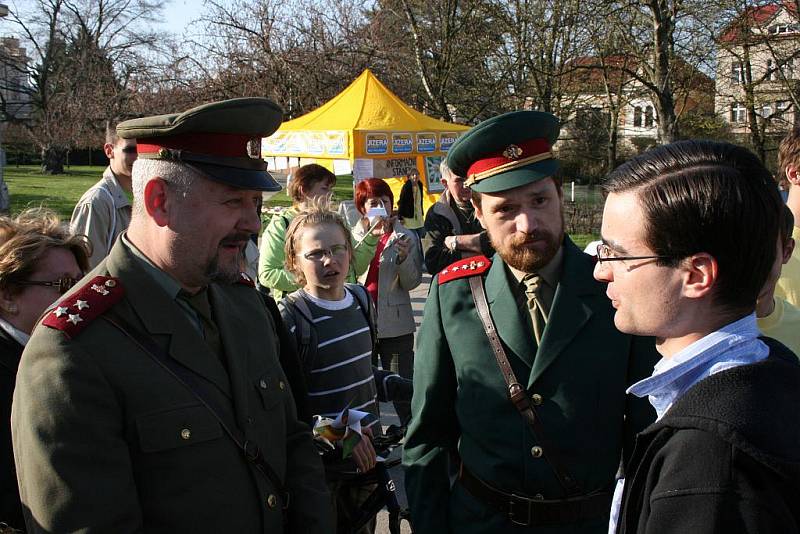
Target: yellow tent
(370, 126)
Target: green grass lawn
(29, 188)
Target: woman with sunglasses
(39, 261)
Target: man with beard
(150, 399)
(520, 374)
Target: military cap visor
(506, 151)
(212, 138)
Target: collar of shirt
(732, 345)
(16, 334)
(112, 184)
(550, 275)
(332, 305)
(167, 283)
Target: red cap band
(512, 152)
(224, 145)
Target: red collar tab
(77, 310)
(512, 152)
(211, 144)
(472, 266)
(245, 280)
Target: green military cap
(213, 138)
(506, 151)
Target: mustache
(235, 238)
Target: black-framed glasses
(336, 251)
(604, 253)
(62, 285)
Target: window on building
(766, 110)
(770, 75)
(737, 72)
(648, 117)
(788, 69)
(781, 107)
(637, 117)
(738, 113)
(783, 28)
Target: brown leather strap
(537, 511)
(517, 393)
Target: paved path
(388, 416)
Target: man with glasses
(150, 398)
(689, 238)
(104, 210)
(520, 375)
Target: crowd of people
(150, 385)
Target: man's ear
(478, 213)
(791, 175)
(788, 250)
(108, 148)
(156, 201)
(700, 275)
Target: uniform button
(186, 433)
(537, 451)
(249, 420)
(537, 399)
(262, 384)
(281, 385)
(111, 283)
(272, 501)
(538, 497)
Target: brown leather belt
(530, 512)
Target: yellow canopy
(365, 120)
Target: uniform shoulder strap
(74, 312)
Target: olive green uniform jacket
(581, 372)
(107, 441)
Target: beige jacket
(102, 213)
(395, 317)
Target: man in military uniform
(545, 462)
(150, 399)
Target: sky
(178, 14)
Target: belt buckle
(518, 500)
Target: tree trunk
(53, 159)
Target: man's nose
(602, 271)
(526, 222)
(251, 220)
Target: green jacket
(581, 371)
(107, 441)
(272, 272)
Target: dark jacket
(405, 204)
(445, 219)
(579, 373)
(10, 507)
(724, 458)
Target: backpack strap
(303, 323)
(365, 302)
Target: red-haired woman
(395, 270)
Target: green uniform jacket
(107, 441)
(581, 370)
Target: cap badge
(512, 152)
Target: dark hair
(787, 224)
(305, 178)
(712, 197)
(372, 188)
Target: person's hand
(451, 243)
(403, 247)
(364, 453)
(377, 231)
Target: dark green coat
(99, 427)
(581, 370)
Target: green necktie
(199, 303)
(538, 315)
